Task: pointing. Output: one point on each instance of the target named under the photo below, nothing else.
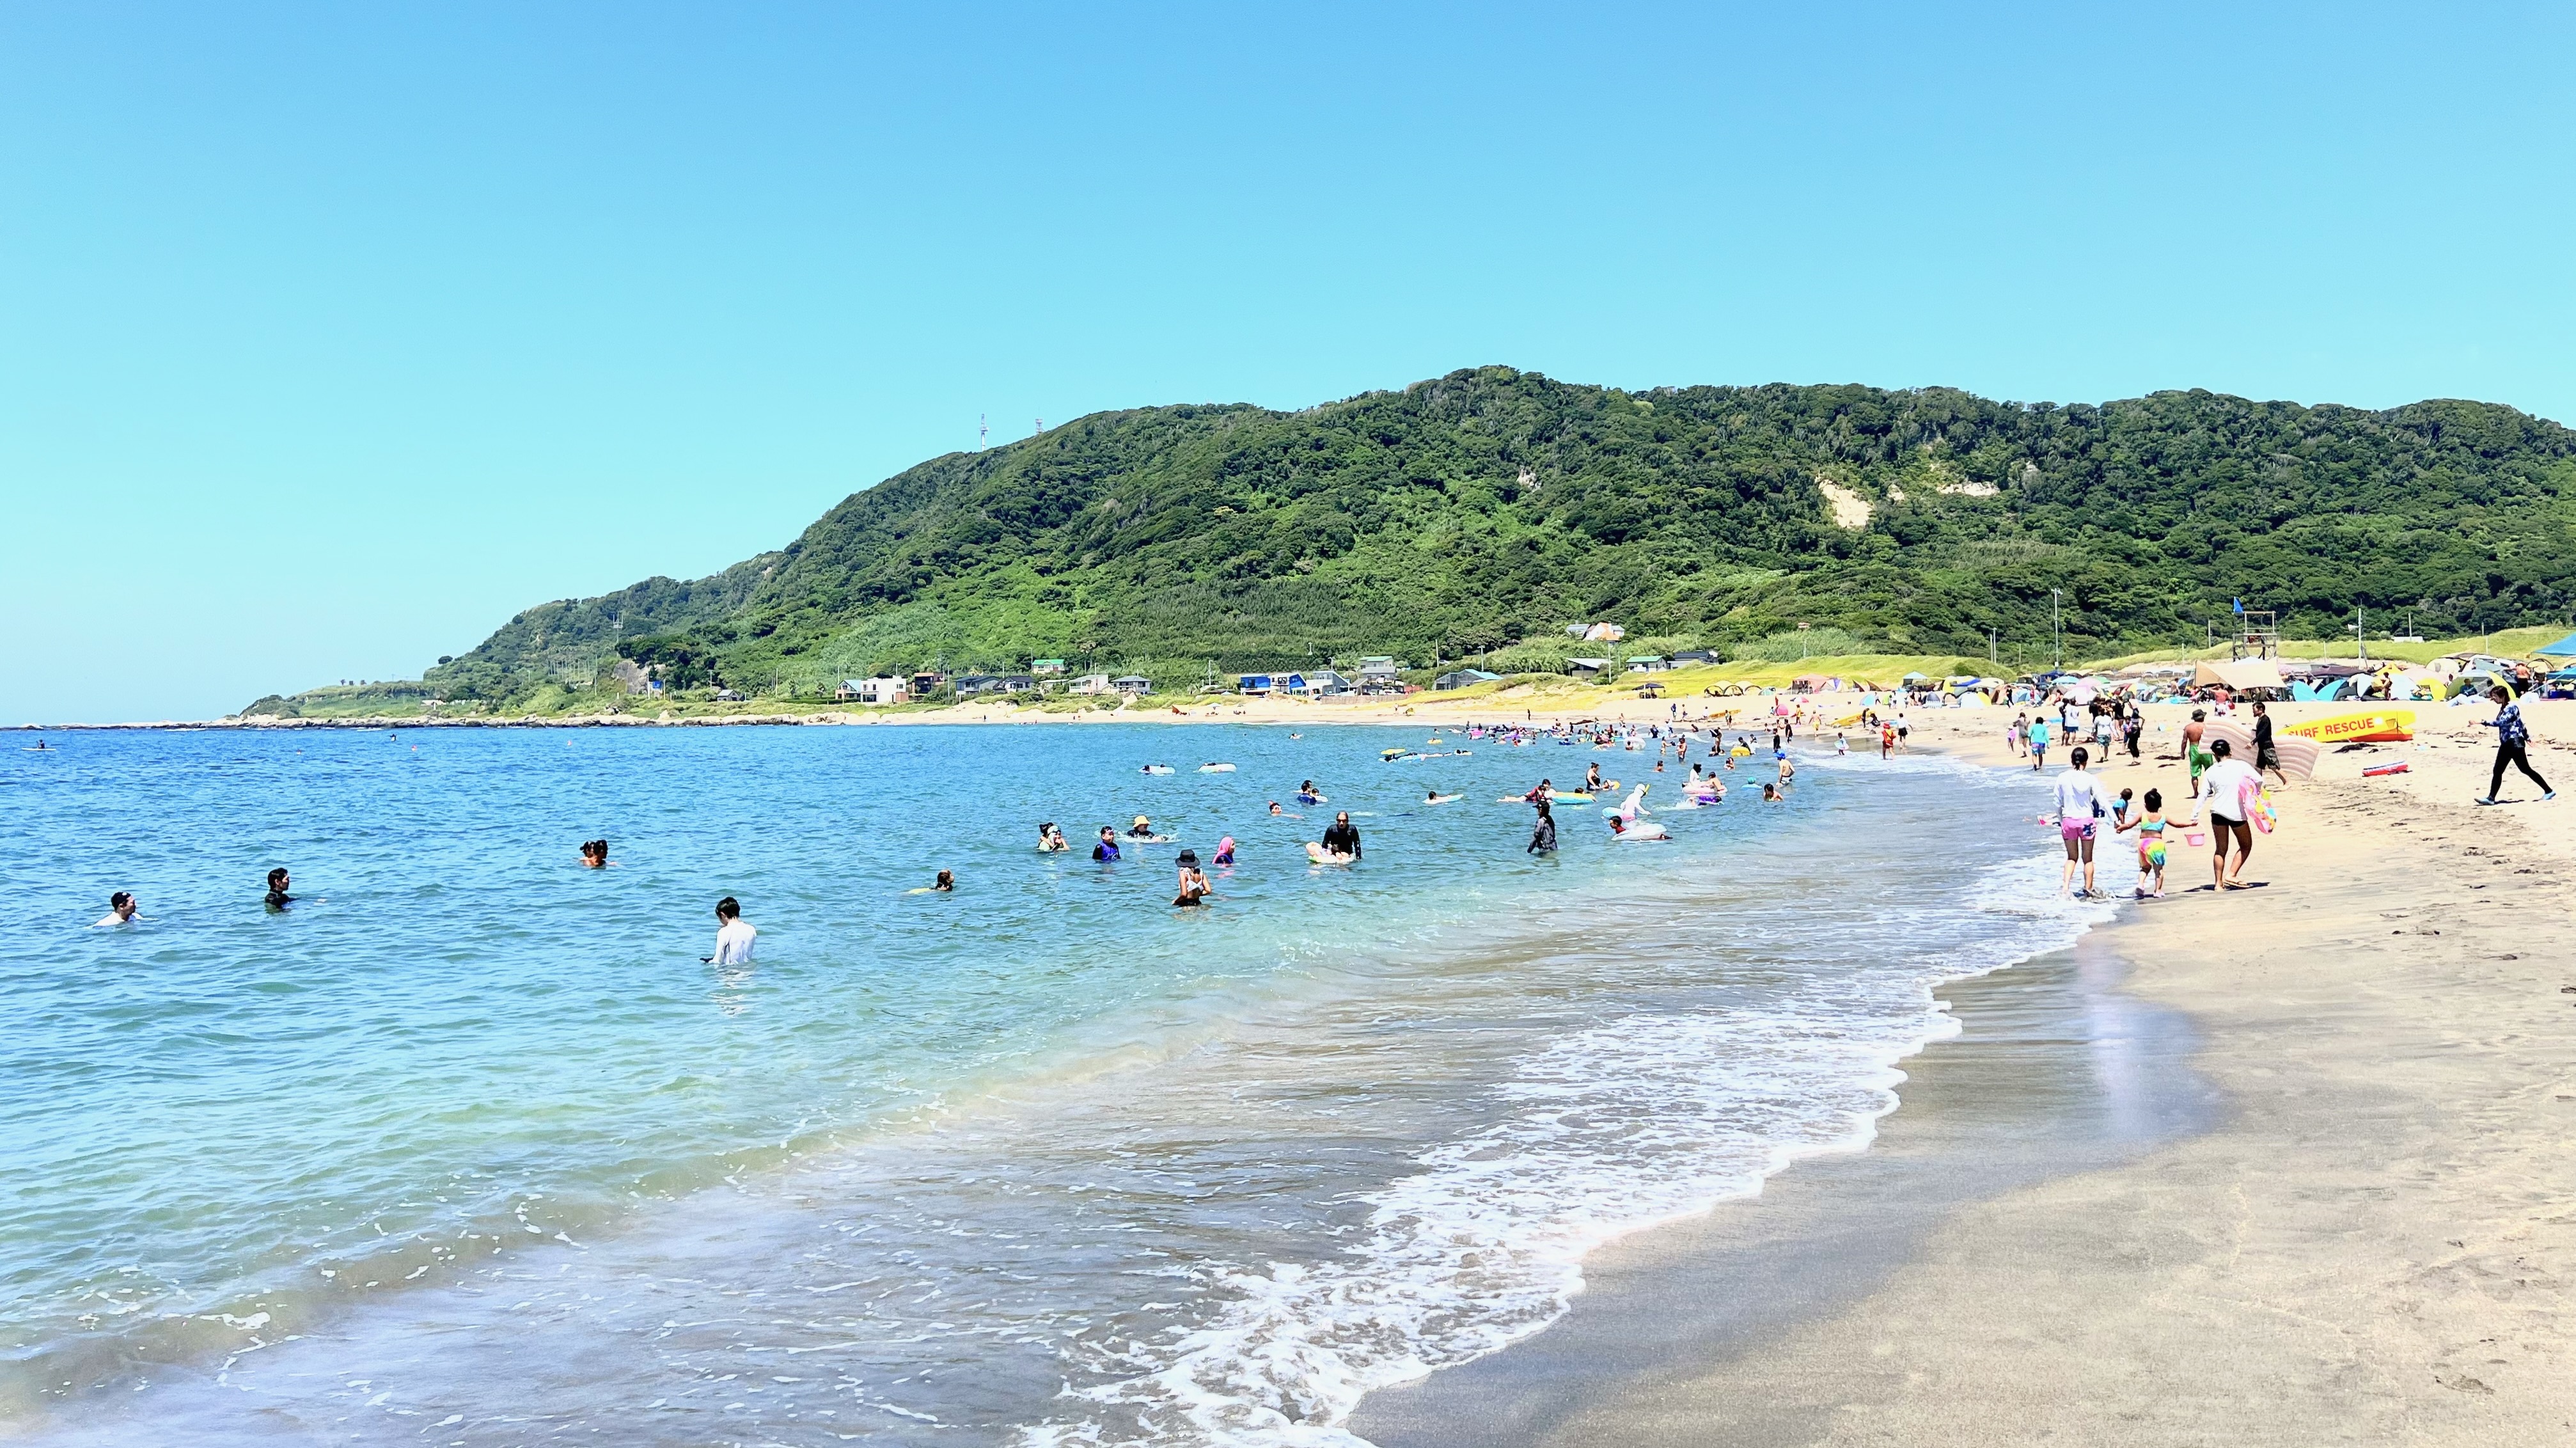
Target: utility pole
(2056, 630)
(2360, 644)
(1990, 647)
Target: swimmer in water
(946, 883)
(1107, 850)
(1225, 850)
(1771, 793)
(1306, 794)
(1194, 887)
(594, 855)
(1592, 781)
(120, 910)
(1052, 840)
(735, 936)
(278, 881)
(1543, 834)
(1436, 797)
(1143, 829)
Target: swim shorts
(2073, 830)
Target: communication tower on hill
(982, 432)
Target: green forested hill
(1466, 513)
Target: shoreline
(2056, 1068)
(2376, 1238)
(1973, 732)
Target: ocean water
(470, 1147)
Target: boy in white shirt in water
(734, 935)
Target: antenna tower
(982, 431)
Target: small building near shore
(1461, 678)
(1046, 668)
(1132, 684)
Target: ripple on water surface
(472, 1134)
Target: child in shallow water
(2151, 826)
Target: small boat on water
(1216, 769)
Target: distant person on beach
(734, 935)
(2267, 755)
(2038, 743)
(1107, 850)
(2079, 810)
(2513, 738)
(278, 881)
(1342, 837)
(120, 910)
(1543, 834)
(2019, 735)
(2224, 792)
(1194, 887)
(2133, 724)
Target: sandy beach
(2374, 1241)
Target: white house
(881, 690)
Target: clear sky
(332, 335)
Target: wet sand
(2056, 1070)
(2375, 1243)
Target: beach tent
(2564, 648)
(2238, 674)
(1809, 683)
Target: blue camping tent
(2564, 648)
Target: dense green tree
(1490, 505)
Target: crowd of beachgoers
(2226, 802)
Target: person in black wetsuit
(277, 898)
(1543, 835)
(1342, 838)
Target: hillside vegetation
(1476, 514)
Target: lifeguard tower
(2258, 634)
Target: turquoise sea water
(468, 1146)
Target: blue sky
(330, 336)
